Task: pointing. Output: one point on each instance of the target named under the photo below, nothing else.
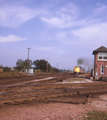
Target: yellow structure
(76, 69)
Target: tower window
(102, 56)
(102, 69)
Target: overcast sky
(60, 30)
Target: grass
(96, 115)
(11, 74)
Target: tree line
(41, 64)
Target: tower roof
(100, 49)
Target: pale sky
(60, 30)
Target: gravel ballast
(52, 111)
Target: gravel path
(52, 111)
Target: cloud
(54, 21)
(94, 35)
(49, 49)
(11, 38)
(64, 37)
(15, 15)
(100, 9)
(44, 48)
(70, 16)
(63, 18)
(82, 31)
(90, 36)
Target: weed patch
(96, 115)
(11, 74)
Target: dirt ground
(53, 110)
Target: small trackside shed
(100, 62)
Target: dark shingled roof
(100, 49)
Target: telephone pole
(28, 59)
(57, 65)
(47, 66)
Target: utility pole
(57, 65)
(28, 59)
(47, 66)
(63, 69)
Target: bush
(6, 69)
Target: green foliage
(21, 64)
(96, 115)
(6, 69)
(55, 69)
(42, 65)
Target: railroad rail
(46, 83)
(50, 93)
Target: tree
(6, 69)
(42, 65)
(20, 64)
(27, 63)
(55, 69)
(1, 65)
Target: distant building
(12, 69)
(100, 62)
(30, 70)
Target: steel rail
(43, 94)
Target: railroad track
(50, 93)
(44, 84)
(14, 80)
(51, 87)
(32, 83)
